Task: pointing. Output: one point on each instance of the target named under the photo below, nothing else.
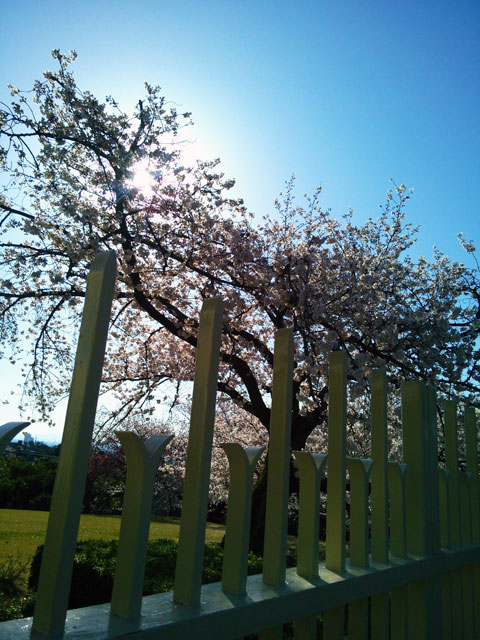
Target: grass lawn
(22, 531)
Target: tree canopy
(69, 161)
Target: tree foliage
(26, 484)
(69, 161)
(108, 466)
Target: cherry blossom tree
(70, 162)
(107, 466)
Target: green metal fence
(416, 575)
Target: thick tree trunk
(259, 503)
(302, 427)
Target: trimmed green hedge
(94, 568)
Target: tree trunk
(302, 426)
(259, 503)
(301, 429)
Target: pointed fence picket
(415, 574)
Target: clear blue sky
(344, 94)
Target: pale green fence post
(398, 546)
(467, 572)
(311, 467)
(397, 472)
(415, 455)
(8, 431)
(380, 604)
(359, 472)
(275, 545)
(305, 628)
(66, 504)
(445, 541)
(424, 597)
(442, 590)
(142, 463)
(472, 467)
(432, 464)
(444, 501)
(465, 507)
(191, 543)
(235, 556)
(333, 626)
(451, 460)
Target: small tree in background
(26, 484)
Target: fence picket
(445, 541)
(142, 462)
(466, 535)
(311, 467)
(424, 596)
(444, 502)
(398, 517)
(379, 448)
(66, 504)
(337, 421)
(398, 546)
(191, 542)
(432, 462)
(242, 463)
(380, 604)
(359, 471)
(472, 467)
(8, 431)
(454, 513)
(305, 628)
(275, 545)
(275, 548)
(451, 460)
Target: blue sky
(345, 95)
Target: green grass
(22, 531)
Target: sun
(144, 178)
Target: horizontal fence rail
(221, 615)
(413, 567)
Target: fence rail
(414, 573)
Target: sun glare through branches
(145, 178)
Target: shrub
(94, 568)
(27, 484)
(15, 600)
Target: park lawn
(22, 531)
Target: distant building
(9, 451)
(27, 438)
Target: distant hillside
(31, 450)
